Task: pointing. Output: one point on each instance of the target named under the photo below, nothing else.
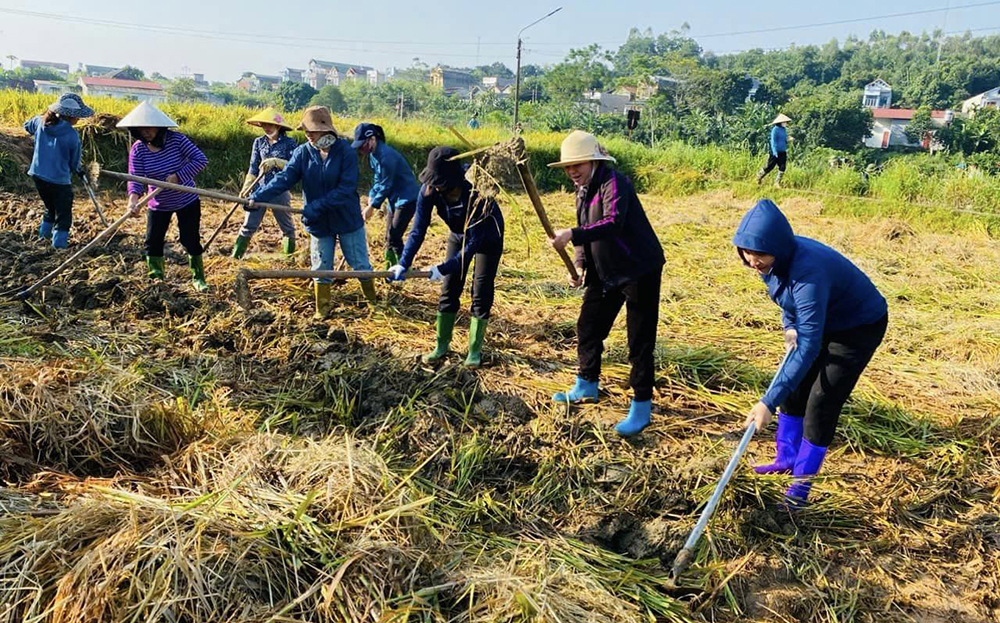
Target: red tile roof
(122, 84)
(902, 113)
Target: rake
(229, 215)
(244, 276)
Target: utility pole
(947, 7)
(517, 77)
(11, 58)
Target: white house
(290, 74)
(255, 83)
(890, 126)
(50, 87)
(140, 90)
(321, 73)
(96, 70)
(989, 99)
(878, 94)
(376, 78)
(608, 103)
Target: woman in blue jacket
(393, 185)
(834, 319)
(328, 169)
(56, 158)
(777, 150)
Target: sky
(223, 38)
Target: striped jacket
(614, 241)
(179, 156)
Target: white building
(60, 68)
(50, 87)
(878, 94)
(95, 71)
(608, 103)
(140, 90)
(376, 78)
(321, 73)
(890, 126)
(989, 99)
(290, 74)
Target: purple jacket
(614, 241)
(179, 155)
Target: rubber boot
(777, 179)
(807, 463)
(583, 391)
(760, 176)
(787, 441)
(60, 239)
(321, 293)
(288, 245)
(391, 259)
(368, 289)
(45, 230)
(477, 332)
(197, 273)
(155, 266)
(445, 327)
(639, 415)
(240, 248)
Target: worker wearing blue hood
(834, 319)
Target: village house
(889, 128)
(139, 90)
(94, 71)
(498, 85)
(290, 74)
(989, 99)
(50, 87)
(878, 94)
(603, 103)
(60, 68)
(453, 81)
(255, 83)
(322, 73)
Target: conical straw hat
(269, 115)
(781, 118)
(145, 115)
(579, 147)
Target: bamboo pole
(93, 197)
(212, 194)
(243, 278)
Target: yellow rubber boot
(321, 293)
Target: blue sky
(392, 33)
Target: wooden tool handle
(329, 274)
(536, 202)
(212, 194)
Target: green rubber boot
(197, 273)
(288, 245)
(155, 266)
(391, 259)
(477, 332)
(240, 248)
(445, 327)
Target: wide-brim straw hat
(579, 147)
(71, 105)
(145, 115)
(781, 119)
(269, 115)
(317, 119)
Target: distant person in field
(393, 186)
(777, 150)
(328, 169)
(166, 155)
(476, 235)
(269, 154)
(620, 261)
(834, 319)
(474, 122)
(56, 158)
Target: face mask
(325, 142)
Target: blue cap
(365, 131)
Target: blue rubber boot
(787, 440)
(583, 391)
(807, 464)
(638, 419)
(45, 230)
(60, 239)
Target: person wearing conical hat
(620, 262)
(777, 150)
(327, 167)
(55, 159)
(164, 154)
(269, 154)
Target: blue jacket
(484, 232)
(393, 178)
(57, 151)
(818, 289)
(329, 188)
(779, 140)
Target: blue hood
(766, 230)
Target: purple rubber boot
(807, 464)
(787, 441)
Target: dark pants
(597, 315)
(188, 224)
(831, 379)
(781, 159)
(485, 273)
(396, 222)
(58, 200)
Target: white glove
(791, 340)
(398, 273)
(271, 164)
(435, 274)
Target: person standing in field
(477, 230)
(269, 153)
(55, 159)
(777, 150)
(328, 169)
(834, 319)
(163, 154)
(393, 185)
(620, 261)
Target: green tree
(130, 73)
(583, 70)
(715, 91)
(829, 119)
(920, 125)
(294, 96)
(331, 97)
(183, 90)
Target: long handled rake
(229, 215)
(686, 555)
(243, 278)
(93, 197)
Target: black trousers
(396, 222)
(831, 379)
(597, 315)
(483, 277)
(781, 159)
(188, 224)
(58, 200)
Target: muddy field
(172, 457)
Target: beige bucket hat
(317, 119)
(579, 147)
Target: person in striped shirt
(170, 156)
